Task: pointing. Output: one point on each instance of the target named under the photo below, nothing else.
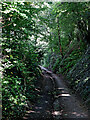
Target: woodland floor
(56, 101)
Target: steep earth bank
(79, 77)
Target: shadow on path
(56, 101)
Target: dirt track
(56, 101)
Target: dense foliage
(20, 57)
(59, 31)
(72, 20)
(68, 39)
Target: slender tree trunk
(24, 85)
(59, 37)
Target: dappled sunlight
(37, 35)
(78, 114)
(60, 88)
(70, 108)
(57, 113)
(38, 112)
(37, 89)
(66, 114)
(63, 92)
(64, 95)
(34, 112)
(30, 111)
(25, 118)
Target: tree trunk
(59, 37)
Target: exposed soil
(56, 101)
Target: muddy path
(56, 101)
